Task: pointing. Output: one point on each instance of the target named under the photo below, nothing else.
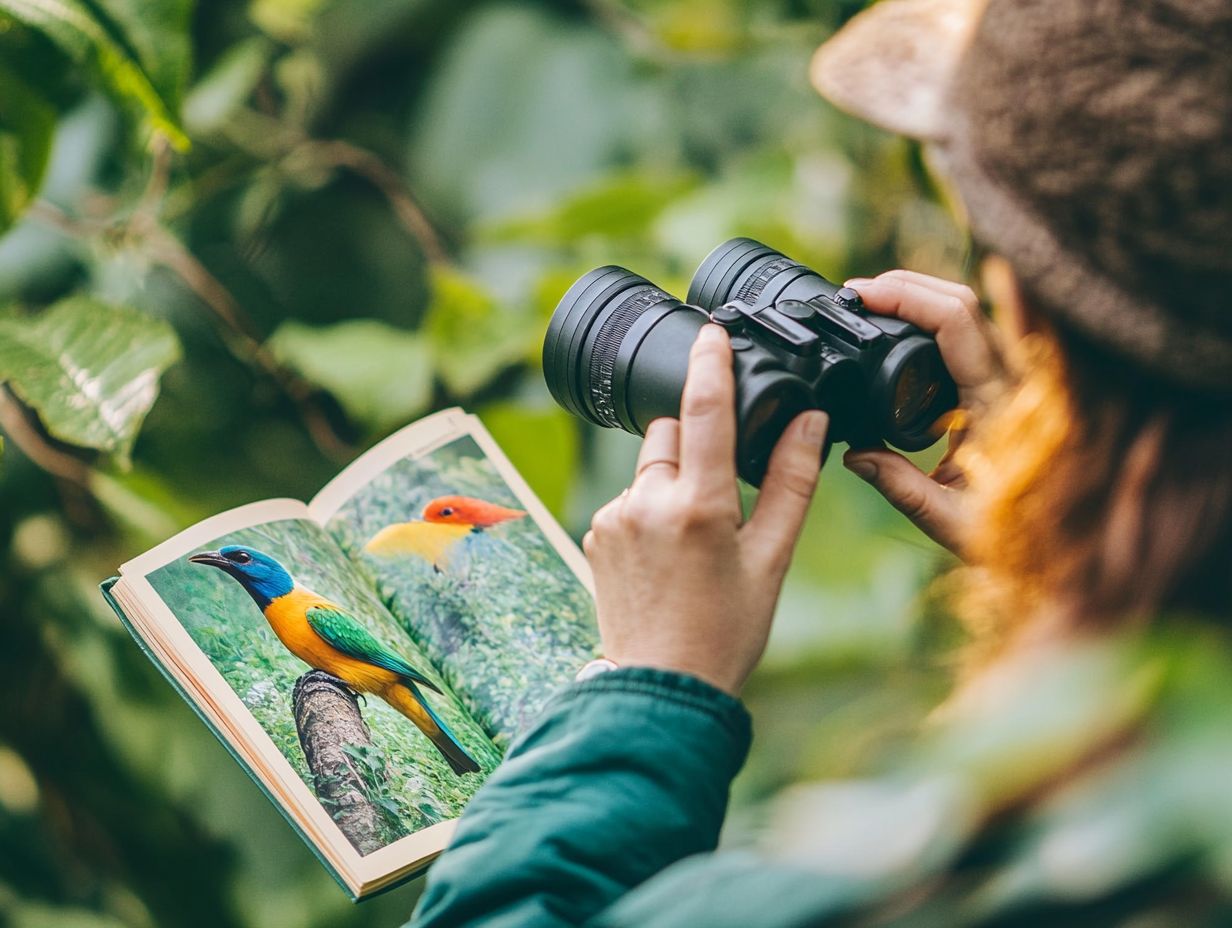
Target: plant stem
(35, 447)
(240, 333)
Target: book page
(244, 631)
(471, 563)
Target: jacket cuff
(670, 687)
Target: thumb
(934, 509)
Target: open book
(368, 656)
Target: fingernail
(858, 282)
(711, 333)
(861, 467)
(815, 424)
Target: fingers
(934, 508)
(951, 312)
(660, 454)
(708, 415)
(787, 490)
(940, 284)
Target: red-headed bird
(445, 521)
(325, 637)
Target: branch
(328, 721)
(239, 331)
(340, 154)
(266, 138)
(35, 447)
(629, 26)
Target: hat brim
(892, 64)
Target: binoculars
(617, 348)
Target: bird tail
(406, 698)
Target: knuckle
(604, 521)
(703, 400)
(697, 513)
(970, 301)
(798, 480)
(896, 278)
(914, 505)
(637, 513)
(955, 306)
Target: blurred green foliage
(340, 214)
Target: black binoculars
(617, 348)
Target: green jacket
(1091, 786)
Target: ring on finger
(657, 462)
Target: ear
(892, 64)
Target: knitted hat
(1091, 142)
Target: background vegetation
(241, 240)
(409, 779)
(505, 620)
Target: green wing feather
(352, 639)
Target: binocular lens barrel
(591, 357)
(908, 389)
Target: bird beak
(212, 558)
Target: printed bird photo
(457, 558)
(278, 605)
(325, 637)
(441, 531)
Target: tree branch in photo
(328, 721)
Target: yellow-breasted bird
(445, 522)
(325, 637)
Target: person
(1078, 773)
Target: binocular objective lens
(917, 387)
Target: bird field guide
(368, 656)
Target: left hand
(682, 582)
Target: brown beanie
(1091, 142)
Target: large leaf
(157, 33)
(27, 124)
(88, 369)
(73, 27)
(622, 206)
(542, 444)
(524, 106)
(473, 337)
(382, 376)
(226, 86)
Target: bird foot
(343, 685)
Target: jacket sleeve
(624, 774)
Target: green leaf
(72, 26)
(27, 124)
(157, 31)
(226, 85)
(623, 206)
(381, 376)
(572, 123)
(542, 444)
(88, 369)
(288, 21)
(473, 337)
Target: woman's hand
(951, 312)
(680, 583)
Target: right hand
(967, 340)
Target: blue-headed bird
(324, 636)
(445, 522)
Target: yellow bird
(444, 523)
